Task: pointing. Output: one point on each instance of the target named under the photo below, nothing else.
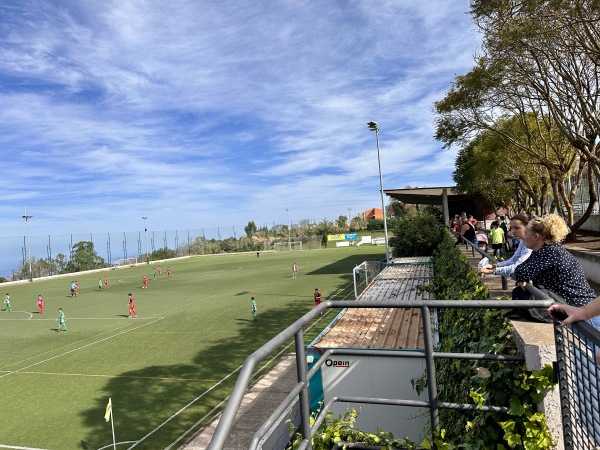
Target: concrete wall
(592, 224)
(536, 342)
(590, 263)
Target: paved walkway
(271, 389)
(260, 401)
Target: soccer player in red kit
(132, 312)
(40, 303)
(145, 282)
(317, 297)
(169, 272)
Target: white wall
(381, 377)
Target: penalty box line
(82, 347)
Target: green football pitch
(168, 370)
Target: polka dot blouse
(558, 271)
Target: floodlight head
(373, 126)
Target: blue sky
(198, 113)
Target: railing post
(565, 402)
(304, 397)
(430, 367)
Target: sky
(198, 113)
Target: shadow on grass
(242, 293)
(144, 399)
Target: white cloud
(202, 113)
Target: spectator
(552, 266)
(507, 268)
(467, 230)
(473, 220)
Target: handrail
(296, 330)
(475, 248)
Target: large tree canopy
(539, 66)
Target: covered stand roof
(425, 196)
(384, 328)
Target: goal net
(300, 244)
(124, 262)
(287, 246)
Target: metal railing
(300, 390)
(576, 371)
(483, 253)
(578, 375)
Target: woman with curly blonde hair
(551, 265)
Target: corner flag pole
(107, 415)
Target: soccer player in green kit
(61, 320)
(7, 302)
(254, 309)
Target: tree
(84, 257)
(162, 253)
(375, 225)
(416, 234)
(358, 223)
(250, 229)
(342, 223)
(396, 208)
(549, 55)
(483, 103)
(60, 263)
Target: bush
(505, 384)
(416, 234)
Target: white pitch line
(80, 348)
(24, 312)
(20, 448)
(264, 366)
(116, 443)
(185, 407)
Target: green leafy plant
(416, 234)
(482, 382)
(496, 383)
(341, 430)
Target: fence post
(430, 367)
(302, 369)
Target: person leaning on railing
(467, 230)
(550, 265)
(507, 268)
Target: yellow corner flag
(108, 410)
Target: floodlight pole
(26, 217)
(374, 127)
(146, 238)
(289, 229)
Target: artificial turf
(192, 331)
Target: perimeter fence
(51, 254)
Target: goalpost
(287, 246)
(124, 262)
(303, 243)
